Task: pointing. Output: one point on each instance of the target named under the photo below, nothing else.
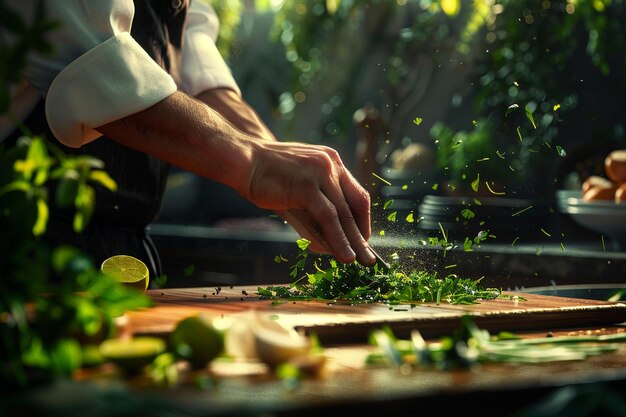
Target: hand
(309, 186)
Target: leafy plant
(53, 301)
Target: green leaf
(560, 151)
(303, 243)
(529, 116)
(511, 109)
(476, 183)
(39, 227)
(103, 178)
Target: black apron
(120, 221)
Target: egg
(615, 166)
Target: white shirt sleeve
(98, 72)
(203, 66)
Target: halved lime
(127, 269)
(132, 354)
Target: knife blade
(380, 261)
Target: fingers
(311, 189)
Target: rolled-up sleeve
(98, 72)
(203, 66)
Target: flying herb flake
(562, 247)
(492, 191)
(418, 121)
(511, 109)
(603, 246)
(545, 233)
(279, 259)
(556, 107)
(514, 240)
(476, 183)
(500, 154)
(519, 134)
(392, 216)
(381, 178)
(467, 214)
(483, 159)
(404, 187)
(450, 266)
(381, 233)
(409, 218)
(474, 122)
(521, 211)
(560, 151)
(387, 204)
(435, 186)
(529, 116)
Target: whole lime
(197, 340)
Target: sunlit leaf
(39, 227)
(451, 7)
(529, 116)
(103, 178)
(511, 109)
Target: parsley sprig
(332, 280)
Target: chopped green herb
(519, 134)
(544, 232)
(467, 214)
(560, 151)
(418, 121)
(387, 204)
(381, 178)
(392, 216)
(435, 186)
(556, 107)
(409, 218)
(511, 109)
(476, 183)
(514, 240)
(404, 187)
(521, 211)
(470, 345)
(529, 116)
(362, 284)
(492, 191)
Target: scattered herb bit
(556, 107)
(521, 211)
(492, 191)
(381, 233)
(468, 214)
(387, 204)
(362, 284)
(560, 151)
(544, 232)
(418, 121)
(529, 116)
(381, 178)
(279, 259)
(514, 240)
(562, 247)
(500, 154)
(511, 109)
(476, 183)
(392, 216)
(519, 134)
(405, 187)
(603, 246)
(435, 186)
(486, 158)
(474, 122)
(409, 217)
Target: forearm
(190, 135)
(237, 111)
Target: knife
(380, 261)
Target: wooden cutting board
(341, 323)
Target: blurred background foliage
(531, 80)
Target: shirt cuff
(111, 81)
(203, 66)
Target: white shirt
(98, 73)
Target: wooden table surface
(349, 385)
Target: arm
(306, 184)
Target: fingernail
(350, 253)
(371, 258)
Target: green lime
(132, 354)
(127, 269)
(197, 340)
